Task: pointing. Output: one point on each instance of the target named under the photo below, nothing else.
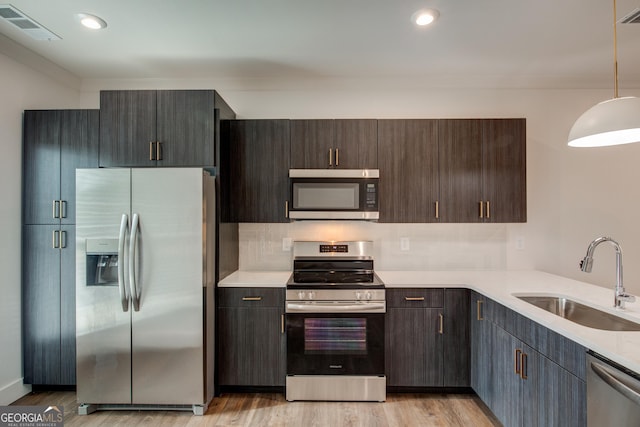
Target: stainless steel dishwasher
(613, 394)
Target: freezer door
(103, 332)
(167, 329)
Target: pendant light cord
(615, 52)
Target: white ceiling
(484, 43)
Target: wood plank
(271, 409)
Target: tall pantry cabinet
(55, 143)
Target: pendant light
(612, 122)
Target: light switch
(404, 243)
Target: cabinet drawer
(415, 298)
(251, 297)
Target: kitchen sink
(580, 313)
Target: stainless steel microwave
(334, 194)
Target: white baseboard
(13, 391)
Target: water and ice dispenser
(102, 262)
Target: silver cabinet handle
(124, 298)
(441, 328)
(414, 298)
(481, 209)
(152, 151)
(610, 378)
(330, 156)
(55, 239)
(437, 210)
(488, 210)
(159, 150)
(63, 239)
(286, 209)
(63, 208)
(282, 323)
(337, 157)
(133, 245)
(55, 209)
(251, 298)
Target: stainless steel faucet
(587, 263)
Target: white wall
(23, 88)
(574, 195)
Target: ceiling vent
(632, 17)
(10, 14)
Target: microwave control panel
(371, 198)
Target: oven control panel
(335, 295)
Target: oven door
(335, 343)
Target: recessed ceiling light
(425, 17)
(91, 21)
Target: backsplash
(430, 246)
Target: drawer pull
(414, 298)
(479, 309)
(441, 328)
(251, 298)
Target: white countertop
(256, 279)
(621, 347)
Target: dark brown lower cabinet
(526, 374)
(251, 337)
(427, 338)
(48, 294)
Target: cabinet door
(408, 163)
(504, 169)
(560, 397)
(456, 334)
(356, 144)
(311, 141)
(460, 154)
(79, 137)
(41, 166)
(506, 395)
(481, 351)
(258, 170)
(414, 347)
(127, 127)
(41, 305)
(186, 127)
(252, 346)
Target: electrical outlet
(520, 243)
(404, 243)
(287, 242)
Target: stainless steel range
(335, 309)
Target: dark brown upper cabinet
(160, 128)
(55, 143)
(504, 178)
(409, 179)
(343, 143)
(482, 170)
(255, 171)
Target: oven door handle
(372, 307)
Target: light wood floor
(271, 409)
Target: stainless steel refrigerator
(145, 273)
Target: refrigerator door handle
(133, 245)
(124, 297)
